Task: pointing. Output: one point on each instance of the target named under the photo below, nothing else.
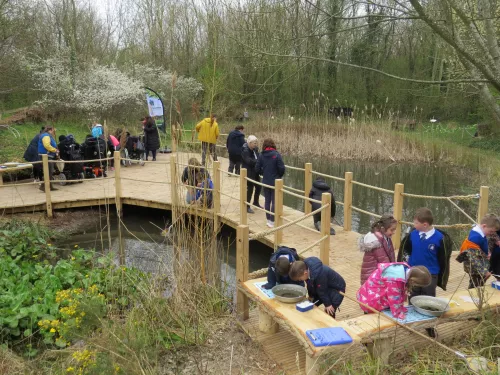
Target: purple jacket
(377, 250)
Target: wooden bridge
(158, 185)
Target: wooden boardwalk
(150, 186)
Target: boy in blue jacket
(323, 283)
(279, 266)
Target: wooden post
(398, 214)
(46, 181)
(242, 244)
(381, 348)
(216, 194)
(483, 202)
(243, 197)
(312, 365)
(278, 211)
(118, 184)
(267, 323)
(326, 215)
(308, 180)
(173, 186)
(348, 201)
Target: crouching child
(323, 284)
(204, 196)
(279, 267)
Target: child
(234, 144)
(429, 247)
(323, 283)
(494, 242)
(387, 287)
(270, 165)
(377, 246)
(319, 187)
(203, 195)
(279, 266)
(189, 177)
(474, 251)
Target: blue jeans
(269, 202)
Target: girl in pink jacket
(388, 286)
(377, 246)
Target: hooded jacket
(270, 166)
(385, 288)
(319, 187)
(152, 141)
(234, 143)
(207, 132)
(377, 249)
(273, 277)
(249, 160)
(443, 255)
(324, 283)
(31, 153)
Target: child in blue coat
(279, 266)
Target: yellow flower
(70, 369)
(117, 369)
(76, 246)
(73, 258)
(52, 330)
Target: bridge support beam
(242, 255)
(398, 213)
(348, 201)
(326, 217)
(46, 181)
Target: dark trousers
(269, 203)
(234, 163)
(429, 290)
(317, 217)
(153, 152)
(251, 189)
(476, 281)
(211, 148)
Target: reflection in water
(423, 179)
(148, 251)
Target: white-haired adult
(249, 156)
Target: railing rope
(373, 187)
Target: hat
(251, 138)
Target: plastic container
(304, 306)
(496, 284)
(329, 336)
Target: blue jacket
(234, 143)
(324, 283)
(270, 165)
(273, 277)
(31, 153)
(205, 195)
(481, 241)
(41, 148)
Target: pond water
(423, 179)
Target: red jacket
(377, 249)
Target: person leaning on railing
(47, 146)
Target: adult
(249, 157)
(318, 188)
(234, 145)
(208, 132)
(189, 178)
(31, 155)
(152, 142)
(97, 130)
(270, 165)
(47, 146)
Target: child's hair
(297, 270)
(491, 221)
(385, 222)
(194, 162)
(239, 127)
(200, 176)
(424, 215)
(268, 143)
(283, 266)
(418, 276)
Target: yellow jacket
(207, 132)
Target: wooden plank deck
(150, 186)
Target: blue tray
(329, 336)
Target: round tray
(439, 304)
(289, 293)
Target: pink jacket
(381, 291)
(114, 141)
(377, 250)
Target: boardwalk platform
(150, 186)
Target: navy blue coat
(31, 153)
(324, 283)
(270, 165)
(235, 142)
(273, 277)
(249, 160)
